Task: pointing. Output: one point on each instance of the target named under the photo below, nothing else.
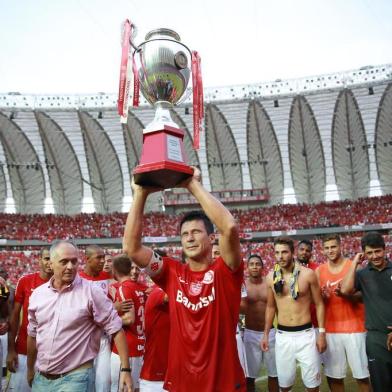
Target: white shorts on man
(346, 345)
(115, 365)
(255, 357)
(151, 386)
(293, 347)
(102, 370)
(18, 380)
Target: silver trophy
(163, 66)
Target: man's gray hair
(56, 244)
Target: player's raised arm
(132, 240)
(220, 216)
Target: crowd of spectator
(18, 263)
(47, 227)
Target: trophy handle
(133, 35)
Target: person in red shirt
(204, 296)
(133, 321)
(157, 334)
(304, 254)
(304, 257)
(17, 334)
(93, 271)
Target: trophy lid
(162, 32)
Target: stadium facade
(308, 140)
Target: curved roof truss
(349, 148)
(106, 178)
(264, 157)
(383, 140)
(64, 171)
(307, 160)
(223, 158)
(27, 181)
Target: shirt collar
(74, 283)
(388, 266)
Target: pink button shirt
(68, 325)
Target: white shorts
(18, 380)
(255, 357)
(346, 345)
(300, 346)
(151, 386)
(115, 364)
(102, 370)
(241, 351)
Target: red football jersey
(204, 309)
(24, 288)
(157, 330)
(134, 333)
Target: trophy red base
(162, 163)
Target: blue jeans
(78, 381)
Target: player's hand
(195, 177)
(3, 327)
(264, 344)
(145, 190)
(338, 290)
(358, 259)
(326, 293)
(125, 382)
(30, 377)
(321, 342)
(124, 306)
(12, 361)
(389, 339)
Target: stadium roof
(313, 139)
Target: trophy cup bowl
(163, 68)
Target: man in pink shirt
(66, 319)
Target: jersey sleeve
(20, 290)
(162, 279)
(236, 276)
(156, 298)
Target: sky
(73, 46)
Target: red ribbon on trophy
(136, 85)
(125, 73)
(198, 104)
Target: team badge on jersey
(195, 288)
(208, 277)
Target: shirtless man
(290, 290)
(253, 306)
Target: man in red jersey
(304, 254)
(133, 321)
(204, 296)
(157, 334)
(93, 271)
(17, 334)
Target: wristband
(128, 370)
(321, 330)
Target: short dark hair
(285, 241)
(257, 257)
(331, 237)
(198, 215)
(373, 239)
(42, 250)
(92, 249)
(306, 242)
(122, 264)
